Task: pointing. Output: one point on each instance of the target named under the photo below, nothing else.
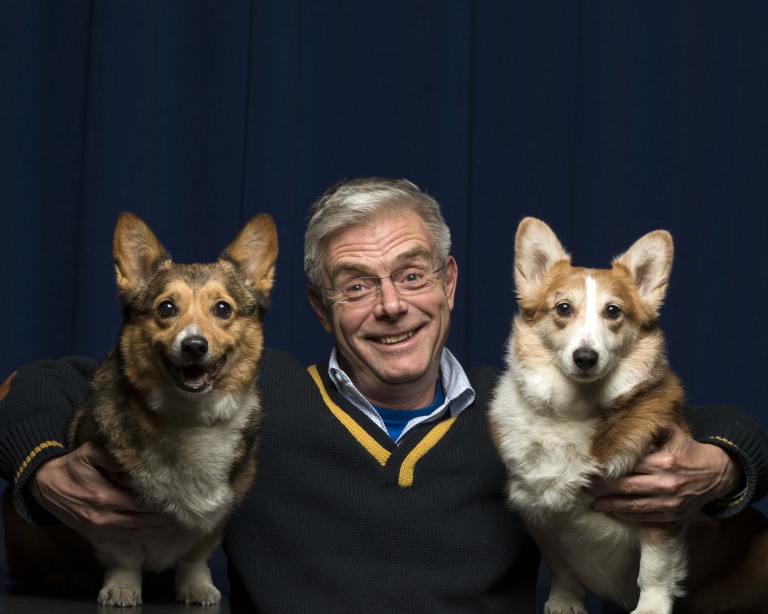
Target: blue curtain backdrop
(606, 119)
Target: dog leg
(122, 576)
(193, 576)
(662, 571)
(195, 585)
(566, 593)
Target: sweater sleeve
(33, 419)
(742, 436)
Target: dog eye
(612, 311)
(222, 310)
(166, 309)
(563, 309)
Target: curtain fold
(606, 120)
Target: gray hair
(356, 201)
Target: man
(378, 487)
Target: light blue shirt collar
(458, 393)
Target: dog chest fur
(187, 474)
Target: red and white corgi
(585, 393)
(175, 404)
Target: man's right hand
(76, 489)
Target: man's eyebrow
(356, 269)
(416, 252)
(350, 268)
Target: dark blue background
(606, 119)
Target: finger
(636, 484)
(99, 457)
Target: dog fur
(175, 404)
(585, 394)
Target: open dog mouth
(195, 377)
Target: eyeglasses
(406, 281)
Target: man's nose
(389, 302)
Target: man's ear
(451, 276)
(322, 311)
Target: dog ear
(137, 252)
(649, 261)
(254, 251)
(536, 250)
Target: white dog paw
(122, 596)
(561, 605)
(203, 594)
(652, 610)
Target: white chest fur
(185, 471)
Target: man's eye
(413, 277)
(353, 288)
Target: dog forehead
(566, 280)
(189, 282)
(615, 284)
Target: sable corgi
(175, 404)
(585, 393)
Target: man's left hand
(670, 484)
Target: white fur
(187, 471)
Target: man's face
(391, 345)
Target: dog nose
(194, 346)
(585, 358)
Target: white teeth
(395, 339)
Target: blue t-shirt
(397, 419)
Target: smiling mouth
(196, 377)
(389, 340)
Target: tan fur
(587, 392)
(176, 405)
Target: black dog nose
(195, 346)
(585, 358)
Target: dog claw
(202, 594)
(560, 605)
(121, 596)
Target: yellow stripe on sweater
(33, 453)
(380, 453)
(405, 478)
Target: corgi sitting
(175, 404)
(585, 394)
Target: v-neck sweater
(341, 519)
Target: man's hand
(76, 490)
(670, 484)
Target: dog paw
(561, 605)
(203, 594)
(122, 596)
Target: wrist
(732, 482)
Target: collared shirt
(458, 393)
